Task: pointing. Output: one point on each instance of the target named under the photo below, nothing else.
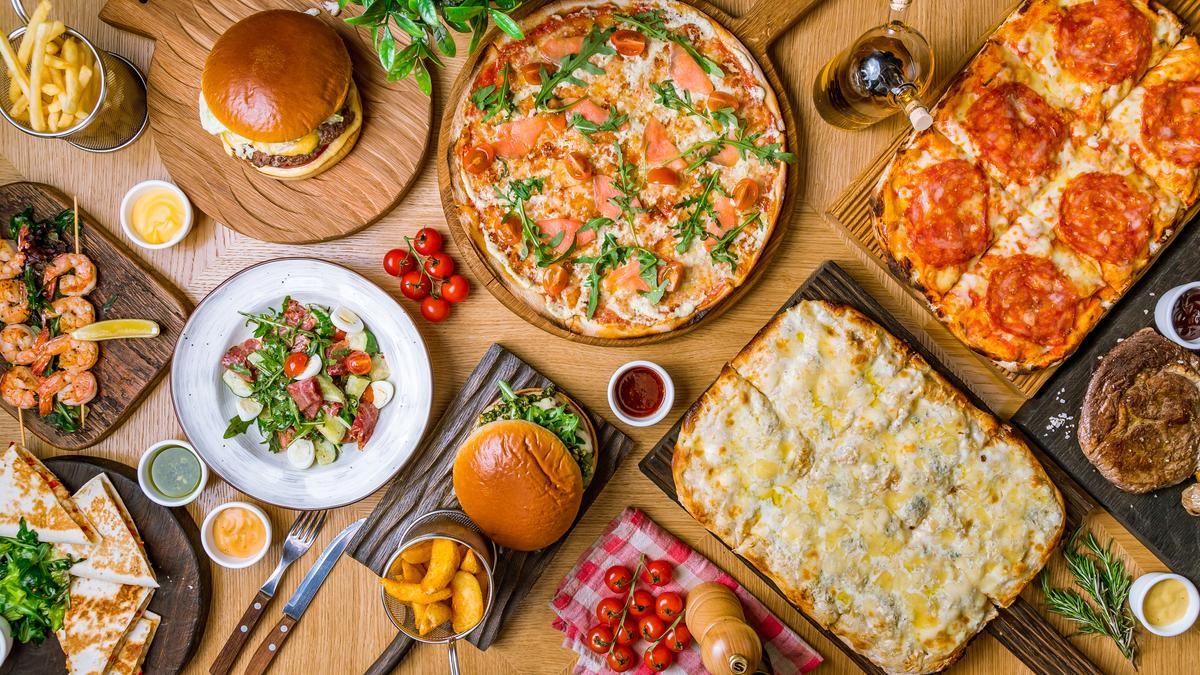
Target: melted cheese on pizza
(873, 493)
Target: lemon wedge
(115, 329)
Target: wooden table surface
(345, 628)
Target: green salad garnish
(558, 419)
(34, 585)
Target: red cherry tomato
(399, 261)
(456, 288)
(338, 335)
(621, 659)
(295, 364)
(668, 606)
(657, 573)
(608, 612)
(599, 639)
(641, 604)
(435, 309)
(428, 241)
(678, 638)
(618, 577)
(651, 628)
(439, 266)
(358, 363)
(626, 633)
(414, 285)
(658, 658)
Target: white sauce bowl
(1137, 600)
(1165, 308)
(215, 554)
(138, 190)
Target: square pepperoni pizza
(1086, 55)
(936, 211)
(1158, 124)
(1108, 213)
(994, 114)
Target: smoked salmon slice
(557, 48)
(569, 227)
(603, 191)
(728, 156)
(659, 149)
(687, 73)
(590, 111)
(628, 277)
(516, 139)
(726, 220)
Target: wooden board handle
(1042, 649)
(768, 19)
(144, 17)
(241, 631)
(270, 646)
(391, 657)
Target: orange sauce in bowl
(238, 532)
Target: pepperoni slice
(1016, 131)
(948, 213)
(1103, 216)
(1029, 297)
(1171, 122)
(1104, 40)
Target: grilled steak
(1140, 424)
(327, 131)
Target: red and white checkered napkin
(631, 534)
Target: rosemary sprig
(720, 252)
(693, 226)
(1102, 575)
(594, 43)
(653, 24)
(588, 128)
(747, 146)
(668, 96)
(494, 100)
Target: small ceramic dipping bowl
(1137, 602)
(619, 386)
(222, 559)
(131, 198)
(1165, 308)
(147, 484)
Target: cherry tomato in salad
(621, 659)
(618, 578)
(626, 633)
(678, 638)
(435, 309)
(338, 335)
(658, 658)
(456, 288)
(599, 639)
(414, 285)
(641, 604)
(428, 241)
(358, 363)
(399, 261)
(608, 612)
(657, 573)
(439, 266)
(668, 606)
(295, 364)
(651, 627)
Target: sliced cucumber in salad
(326, 452)
(236, 384)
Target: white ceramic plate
(205, 405)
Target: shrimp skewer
(19, 344)
(73, 273)
(73, 355)
(72, 312)
(12, 261)
(70, 387)
(14, 301)
(19, 387)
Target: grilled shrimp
(14, 301)
(72, 354)
(72, 312)
(19, 387)
(12, 261)
(74, 273)
(19, 344)
(71, 387)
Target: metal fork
(299, 539)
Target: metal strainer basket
(119, 114)
(443, 524)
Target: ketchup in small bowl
(641, 393)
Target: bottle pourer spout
(920, 118)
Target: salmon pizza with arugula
(622, 167)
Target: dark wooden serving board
(1157, 519)
(173, 545)
(1018, 627)
(127, 369)
(425, 484)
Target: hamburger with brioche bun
(521, 475)
(277, 88)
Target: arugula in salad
(34, 585)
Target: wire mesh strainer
(442, 524)
(119, 114)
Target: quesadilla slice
(99, 618)
(120, 557)
(30, 492)
(137, 645)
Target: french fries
(442, 582)
(51, 84)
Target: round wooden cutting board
(354, 193)
(173, 545)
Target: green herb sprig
(495, 100)
(630, 186)
(1102, 575)
(594, 43)
(721, 252)
(694, 225)
(746, 144)
(589, 128)
(668, 96)
(34, 585)
(653, 24)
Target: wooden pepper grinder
(728, 645)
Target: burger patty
(328, 131)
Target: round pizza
(622, 167)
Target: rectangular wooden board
(851, 211)
(126, 288)
(425, 484)
(1018, 627)
(1051, 417)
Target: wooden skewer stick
(75, 216)
(82, 415)
(21, 423)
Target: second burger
(521, 474)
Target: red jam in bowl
(640, 392)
